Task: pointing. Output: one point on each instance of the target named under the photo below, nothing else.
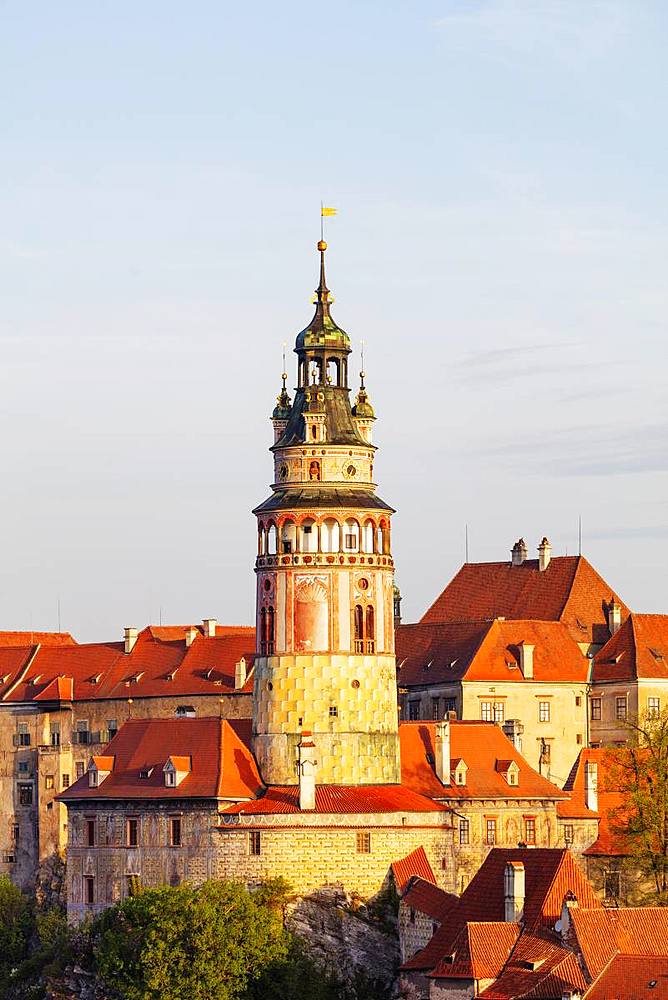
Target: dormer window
(460, 772)
(170, 779)
(510, 771)
(145, 773)
(92, 778)
(175, 770)
(99, 768)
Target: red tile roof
(35, 638)
(539, 967)
(414, 865)
(222, 766)
(638, 649)
(610, 841)
(434, 653)
(550, 875)
(156, 667)
(428, 898)
(628, 976)
(340, 799)
(480, 745)
(569, 590)
(480, 951)
(603, 933)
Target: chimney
(306, 769)
(190, 636)
(518, 552)
(544, 555)
(614, 616)
(130, 638)
(591, 785)
(442, 752)
(514, 729)
(209, 627)
(525, 650)
(240, 673)
(513, 891)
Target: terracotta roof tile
(222, 766)
(629, 976)
(35, 638)
(569, 590)
(480, 951)
(428, 898)
(639, 649)
(480, 745)
(609, 842)
(550, 875)
(539, 967)
(156, 667)
(415, 864)
(602, 933)
(431, 653)
(340, 799)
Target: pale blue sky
(500, 170)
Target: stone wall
(415, 930)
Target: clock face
(349, 471)
(283, 472)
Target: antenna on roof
(160, 615)
(580, 534)
(466, 543)
(59, 629)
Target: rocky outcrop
(358, 942)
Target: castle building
(325, 577)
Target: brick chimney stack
(442, 752)
(591, 785)
(518, 552)
(514, 891)
(130, 638)
(525, 650)
(306, 766)
(544, 555)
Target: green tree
(639, 771)
(15, 929)
(187, 943)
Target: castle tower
(325, 618)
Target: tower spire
(322, 291)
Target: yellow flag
(328, 211)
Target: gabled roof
(568, 590)
(222, 766)
(161, 664)
(480, 951)
(480, 745)
(609, 842)
(414, 865)
(603, 933)
(429, 899)
(644, 978)
(539, 967)
(639, 649)
(36, 638)
(432, 653)
(550, 876)
(339, 799)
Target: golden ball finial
(322, 245)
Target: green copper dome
(322, 331)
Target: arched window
(289, 537)
(260, 540)
(267, 631)
(271, 540)
(351, 536)
(329, 535)
(368, 536)
(309, 535)
(333, 372)
(359, 628)
(370, 636)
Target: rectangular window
(578, 739)
(654, 707)
(612, 885)
(132, 832)
(55, 734)
(25, 795)
(89, 889)
(363, 842)
(90, 832)
(413, 711)
(620, 709)
(333, 711)
(48, 781)
(450, 706)
(112, 728)
(569, 831)
(23, 735)
(578, 701)
(79, 768)
(490, 831)
(175, 831)
(350, 542)
(66, 781)
(529, 830)
(435, 708)
(255, 842)
(543, 711)
(464, 831)
(23, 767)
(499, 711)
(596, 709)
(15, 832)
(486, 711)
(82, 735)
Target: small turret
(283, 407)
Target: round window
(355, 684)
(363, 584)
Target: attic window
(185, 711)
(580, 625)
(95, 679)
(427, 666)
(171, 675)
(170, 779)
(36, 679)
(146, 772)
(532, 965)
(135, 678)
(656, 653)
